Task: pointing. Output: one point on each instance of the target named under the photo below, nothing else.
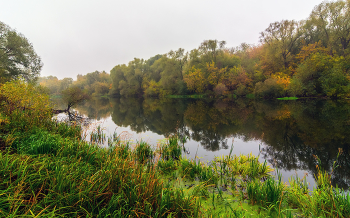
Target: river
(289, 135)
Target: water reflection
(293, 131)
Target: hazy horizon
(79, 37)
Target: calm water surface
(287, 134)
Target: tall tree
(282, 38)
(73, 95)
(117, 75)
(331, 20)
(17, 56)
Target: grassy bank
(185, 96)
(47, 170)
(288, 98)
(47, 174)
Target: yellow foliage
(195, 80)
(282, 79)
(310, 49)
(153, 89)
(19, 96)
(216, 75)
(3, 119)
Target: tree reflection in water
(293, 131)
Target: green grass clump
(324, 201)
(243, 165)
(191, 168)
(143, 152)
(38, 142)
(123, 150)
(66, 131)
(167, 166)
(288, 98)
(267, 193)
(170, 153)
(171, 149)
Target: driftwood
(54, 111)
(72, 116)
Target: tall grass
(84, 180)
(267, 193)
(167, 166)
(47, 170)
(324, 201)
(98, 136)
(171, 149)
(46, 174)
(143, 152)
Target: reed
(244, 166)
(143, 152)
(324, 201)
(98, 136)
(47, 170)
(50, 175)
(171, 149)
(267, 193)
(190, 168)
(66, 183)
(167, 166)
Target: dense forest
(95, 83)
(308, 58)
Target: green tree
(321, 74)
(73, 95)
(172, 72)
(101, 88)
(282, 37)
(269, 89)
(329, 22)
(17, 56)
(211, 49)
(65, 83)
(117, 75)
(95, 83)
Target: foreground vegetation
(48, 170)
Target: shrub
(269, 89)
(25, 105)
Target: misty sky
(80, 36)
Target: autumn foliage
(308, 58)
(25, 103)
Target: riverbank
(54, 173)
(47, 169)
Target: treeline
(294, 58)
(95, 83)
(305, 58)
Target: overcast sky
(80, 36)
